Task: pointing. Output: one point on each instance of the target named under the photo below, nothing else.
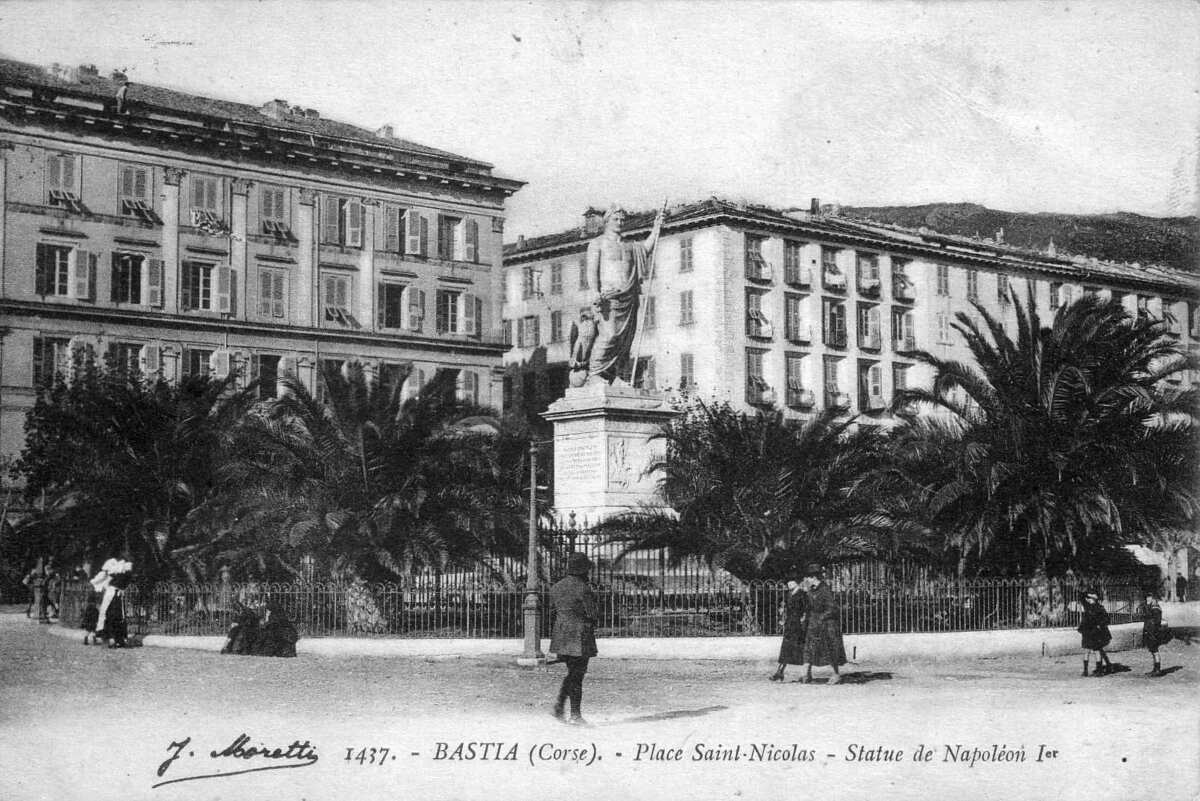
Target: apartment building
(185, 235)
(801, 310)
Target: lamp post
(532, 655)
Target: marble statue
(603, 339)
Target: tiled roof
(141, 97)
(867, 234)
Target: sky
(1074, 107)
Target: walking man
(574, 637)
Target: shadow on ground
(673, 714)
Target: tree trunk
(365, 612)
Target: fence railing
(628, 609)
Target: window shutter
(114, 283)
(198, 193)
(875, 380)
(536, 334)
(391, 228)
(54, 171)
(354, 223)
(43, 270)
(150, 358)
(278, 296)
(341, 285)
(470, 314)
(380, 305)
(224, 289)
(330, 219)
(287, 369)
(219, 363)
(416, 308)
(66, 166)
(154, 282)
(127, 181)
(139, 185)
(267, 203)
(424, 235)
(412, 239)
(471, 240)
(873, 322)
(265, 292)
(82, 274)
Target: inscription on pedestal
(578, 460)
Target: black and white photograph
(674, 400)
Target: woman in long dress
(823, 638)
(791, 650)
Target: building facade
(801, 310)
(188, 235)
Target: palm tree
(116, 460)
(365, 485)
(1048, 452)
(759, 497)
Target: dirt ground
(89, 722)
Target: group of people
(812, 628)
(1093, 630)
(261, 629)
(45, 586)
(103, 618)
(812, 634)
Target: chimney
(312, 114)
(520, 241)
(593, 220)
(814, 206)
(88, 72)
(276, 109)
(118, 76)
(386, 131)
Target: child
(91, 616)
(1154, 633)
(1094, 628)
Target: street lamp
(532, 655)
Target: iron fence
(628, 608)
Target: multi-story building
(801, 309)
(189, 235)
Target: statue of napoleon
(603, 340)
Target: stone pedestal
(603, 450)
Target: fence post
(532, 654)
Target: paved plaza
(89, 722)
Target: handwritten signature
(261, 757)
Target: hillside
(1122, 237)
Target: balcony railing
(797, 276)
(759, 269)
(837, 400)
(869, 341)
(799, 333)
(759, 328)
(903, 290)
(906, 343)
(801, 398)
(759, 393)
(875, 403)
(868, 286)
(835, 338)
(834, 279)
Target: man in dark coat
(823, 638)
(574, 637)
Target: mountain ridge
(1120, 236)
